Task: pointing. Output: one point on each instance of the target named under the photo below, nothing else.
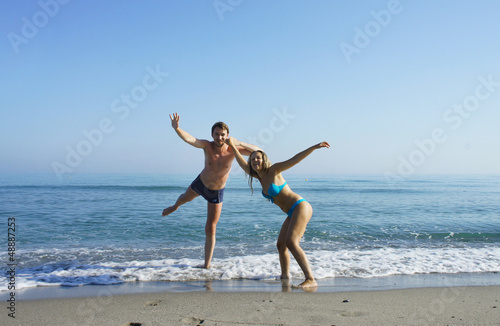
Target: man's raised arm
(193, 141)
(244, 148)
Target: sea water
(108, 229)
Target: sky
(397, 88)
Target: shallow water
(108, 229)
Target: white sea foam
(70, 235)
(325, 264)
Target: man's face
(220, 135)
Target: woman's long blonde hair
(266, 163)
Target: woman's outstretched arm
(285, 165)
(239, 158)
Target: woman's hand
(230, 141)
(241, 161)
(321, 145)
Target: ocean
(106, 229)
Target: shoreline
(329, 285)
(424, 299)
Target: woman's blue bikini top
(273, 191)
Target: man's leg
(187, 196)
(213, 215)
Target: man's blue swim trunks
(211, 196)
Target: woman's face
(257, 161)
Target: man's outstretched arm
(244, 148)
(193, 141)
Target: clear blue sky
(396, 87)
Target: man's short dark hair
(221, 125)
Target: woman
(298, 210)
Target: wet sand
(477, 305)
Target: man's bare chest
(219, 159)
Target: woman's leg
(283, 251)
(298, 222)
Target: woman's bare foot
(169, 210)
(307, 284)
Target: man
(211, 182)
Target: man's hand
(185, 136)
(174, 120)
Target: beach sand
(418, 306)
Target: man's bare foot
(208, 285)
(169, 210)
(285, 285)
